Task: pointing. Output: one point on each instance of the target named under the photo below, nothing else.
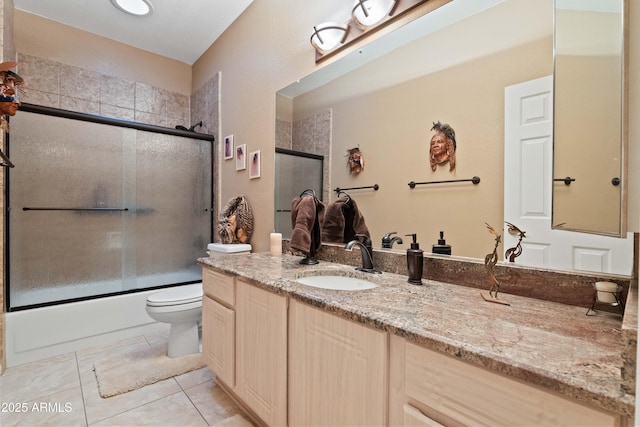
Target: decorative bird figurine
(513, 253)
(490, 261)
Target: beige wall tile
(75, 104)
(149, 99)
(117, 92)
(40, 74)
(79, 83)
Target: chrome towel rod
(374, 186)
(475, 180)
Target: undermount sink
(340, 283)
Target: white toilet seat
(179, 295)
(173, 308)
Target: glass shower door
(95, 209)
(295, 172)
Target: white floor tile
(64, 408)
(212, 402)
(174, 410)
(39, 379)
(63, 391)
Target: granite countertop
(553, 345)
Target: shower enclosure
(99, 206)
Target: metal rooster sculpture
(512, 253)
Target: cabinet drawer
(219, 286)
(475, 396)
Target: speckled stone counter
(549, 344)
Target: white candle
(276, 244)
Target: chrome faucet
(388, 241)
(366, 252)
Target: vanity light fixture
(328, 36)
(134, 7)
(368, 13)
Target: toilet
(181, 307)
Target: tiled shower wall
(53, 84)
(309, 135)
(205, 106)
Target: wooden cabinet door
(337, 370)
(218, 339)
(261, 352)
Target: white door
(528, 185)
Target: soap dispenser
(415, 261)
(441, 248)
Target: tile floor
(62, 391)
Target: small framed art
(241, 157)
(228, 147)
(254, 164)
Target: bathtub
(40, 333)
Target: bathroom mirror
(451, 65)
(589, 65)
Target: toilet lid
(179, 295)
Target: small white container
(607, 292)
(216, 249)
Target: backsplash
(573, 288)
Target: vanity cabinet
(218, 324)
(431, 389)
(337, 370)
(261, 352)
(244, 342)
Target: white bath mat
(138, 367)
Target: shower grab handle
(76, 209)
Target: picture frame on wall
(254, 164)
(228, 147)
(241, 157)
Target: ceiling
(178, 30)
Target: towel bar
(475, 180)
(374, 186)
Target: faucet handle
(388, 235)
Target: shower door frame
(67, 114)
